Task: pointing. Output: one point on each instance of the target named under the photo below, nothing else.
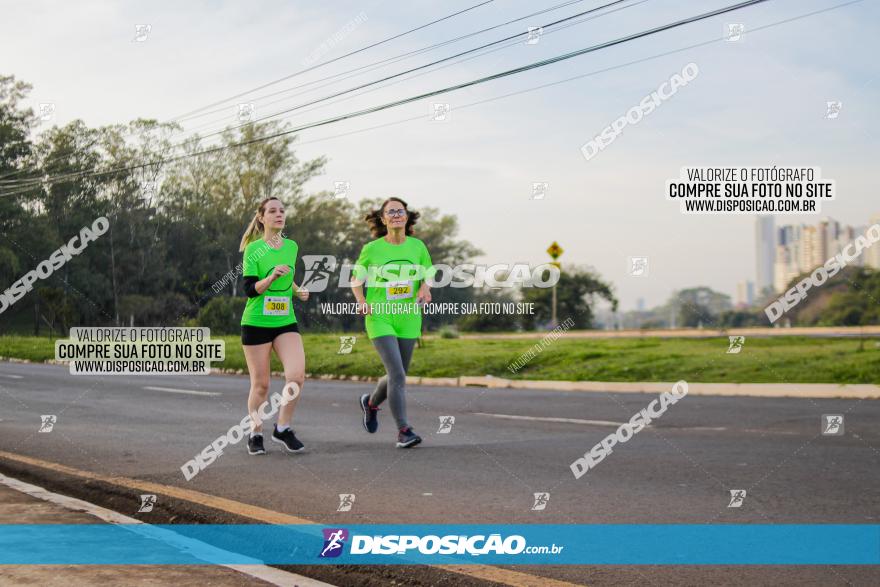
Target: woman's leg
(257, 357)
(389, 349)
(289, 348)
(380, 394)
(406, 346)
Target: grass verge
(762, 360)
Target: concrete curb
(802, 390)
(757, 332)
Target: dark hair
(378, 228)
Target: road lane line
(548, 419)
(186, 391)
(615, 424)
(484, 572)
(11, 376)
(263, 572)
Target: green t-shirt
(393, 275)
(273, 307)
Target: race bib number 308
(399, 290)
(276, 306)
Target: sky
(760, 101)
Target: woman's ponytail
(253, 232)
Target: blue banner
(611, 544)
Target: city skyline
(798, 248)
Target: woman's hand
(424, 296)
(364, 308)
(279, 271)
(302, 293)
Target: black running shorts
(261, 335)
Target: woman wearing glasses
(394, 268)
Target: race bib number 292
(399, 290)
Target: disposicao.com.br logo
(334, 540)
(394, 544)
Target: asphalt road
(503, 447)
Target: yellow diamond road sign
(554, 250)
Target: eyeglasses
(395, 213)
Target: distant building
(765, 252)
(745, 294)
(788, 256)
(785, 268)
(872, 255)
(800, 249)
(811, 249)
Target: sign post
(555, 251)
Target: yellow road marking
(212, 501)
(484, 572)
(504, 576)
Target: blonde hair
(255, 229)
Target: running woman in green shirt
(394, 268)
(269, 321)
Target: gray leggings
(395, 354)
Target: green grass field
(762, 360)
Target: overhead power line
(335, 59)
(414, 69)
(397, 75)
(396, 103)
(477, 52)
(723, 38)
(290, 76)
(378, 64)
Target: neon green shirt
(393, 276)
(273, 307)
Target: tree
(577, 292)
(490, 322)
(56, 309)
(742, 319)
(217, 195)
(697, 306)
(858, 305)
(222, 315)
(175, 227)
(15, 151)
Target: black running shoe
(371, 420)
(406, 438)
(255, 445)
(288, 439)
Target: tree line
(175, 227)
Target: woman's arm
(359, 277)
(363, 306)
(264, 284)
(424, 296)
(253, 288)
(301, 292)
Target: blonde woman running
(268, 321)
